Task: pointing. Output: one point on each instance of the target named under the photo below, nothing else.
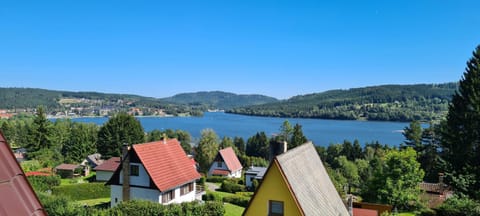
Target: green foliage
(81, 142)
(456, 206)
(83, 191)
(297, 137)
(413, 135)
(39, 135)
(30, 165)
(209, 196)
(147, 208)
(231, 187)
(240, 144)
(237, 200)
(247, 161)
(385, 103)
(207, 149)
(182, 136)
(461, 133)
(44, 183)
(286, 131)
(59, 205)
(258, 145)
(218, 99)
(396, 181)
(216, 179)
(119, 129)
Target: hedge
(216, 179)
(83, 191)
(237, 200)
(44, 183)
(229, 187)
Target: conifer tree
(461, 133)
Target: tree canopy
(119, 129)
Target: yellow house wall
(275, 188)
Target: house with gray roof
(254, 173)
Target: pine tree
(413, 135)
(119, 129)
(297, 137)
(461, 133)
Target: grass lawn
(93, 202)
(406, 214)
(84, 191)
(233, 210)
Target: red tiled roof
(166, 163)
(17, 196)
(35, 173)
(230, 159)
(67, 167)
(220, 172)
(109, 165)
(364, 212)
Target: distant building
(254, 173)
(93, 160)
(105, 170)
(435, 193)
(17, 196)
(157, 171)
(296, 183)
(226, 164)
(71, 170)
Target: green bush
(245, 194)
(230, 187)
(216, 179)
(456, 206)
(30, 165)
(59, 205)
(211, 197)
(146, 208)
(427, 212)
(44, 183)
(83, 191)
(201, 181)
(237, 200)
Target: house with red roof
(17, 196)
(105, 170)
(157, 171)
(226, 164)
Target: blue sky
(276, 48)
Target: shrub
(237, 200)
(201, 181)
(59, 205)
(44, 183)
(144, 207)
(211, 197)
(427, 212)
(458, 206)
(30, 165)
(245, 194)
(230, 187)
(216, 179)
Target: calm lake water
(321, 132)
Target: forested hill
(219, 99)
(385, 103)
(54, 101)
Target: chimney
(126, 173)
(165, 137)
(277, 148)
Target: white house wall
(141, 180)
(103, 175)
(149, 194)
(135, 193)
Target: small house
(157, 171)
(254, 173)
(434, 194)
(93, 160)
(296, 183)
(226, 164)
(105, 170)
(71, 170)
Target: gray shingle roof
(310, 182)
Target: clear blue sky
(276, 48)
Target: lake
(321, 132)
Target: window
(185, 189)
(168, 196)
(219, 164)
(134, 170)
(275, 208)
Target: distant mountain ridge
(385, 103)
(219, 99)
